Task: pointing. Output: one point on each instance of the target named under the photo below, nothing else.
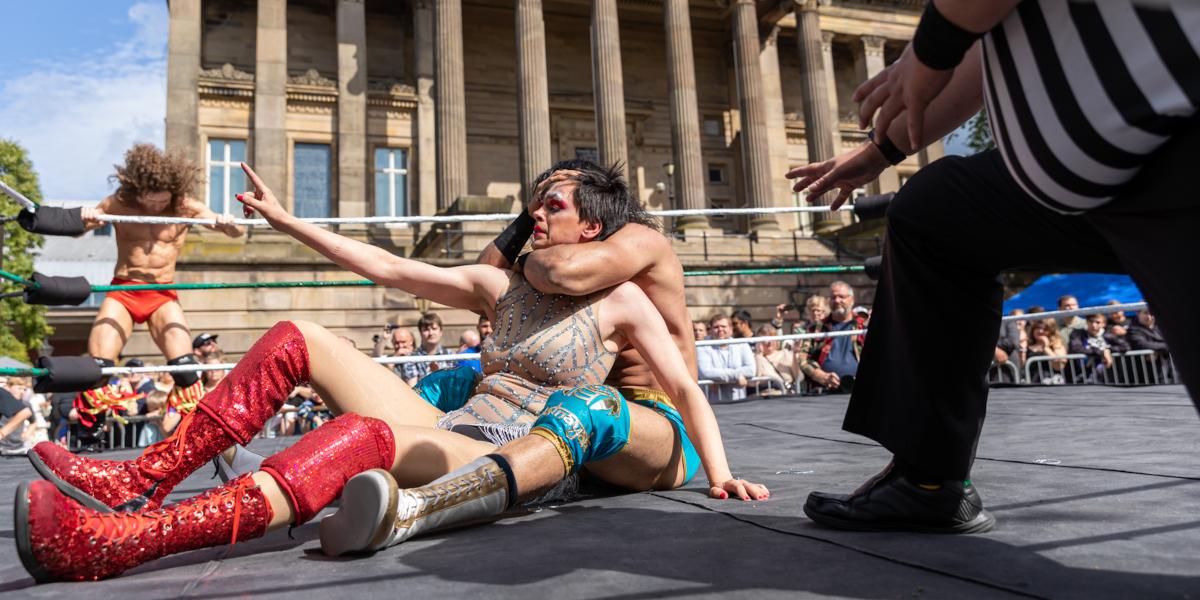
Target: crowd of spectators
(1093, 343)
(734, 371)
(729, 372)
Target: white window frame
(390, 172)
(226, 164)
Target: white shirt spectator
(725, 365)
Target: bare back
(663, 284)
(147, 252)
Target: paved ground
(1097, 493)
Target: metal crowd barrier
(1136, 367)
(755, 386)
(127, 432)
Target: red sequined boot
(232, 413)
(57, 539)
(313, 471)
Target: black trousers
(952, 229)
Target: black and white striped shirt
(1080, 93)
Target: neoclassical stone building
(412, 107)
(353, 107)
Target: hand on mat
(741, 488)
(262, 199)
(905, 86)
(846, 172)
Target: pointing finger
(258, 183)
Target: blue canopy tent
(1092, 289)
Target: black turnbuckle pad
(873, 267)
(53, 220)
(67, 374)
(49, 290)
(872, 207)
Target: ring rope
(391, 360)
(152, 220)
(25, 203)
(388, 360)
(367, 282)
(15, 278)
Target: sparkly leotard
(541, 342)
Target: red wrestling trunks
(141, 303)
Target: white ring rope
(25, 203)
(1089, 310)
(397, 360)
(150, 220)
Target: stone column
(868, 61)
(425, 136)
(352, 156)
(781, 188)
(183, 69)
(818, 130)
(450, 100)
(270, 97)
(831, 88)
(533, 95)
(756, 153)
(608, 84)
(685, 114)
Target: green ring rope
(15, 278)
(23, 372)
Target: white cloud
(78, 117)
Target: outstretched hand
(907, 87)
(262, 199)
(740, 487)
(845, 172)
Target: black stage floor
(1096, 491)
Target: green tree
(23, 327)
(977, 132)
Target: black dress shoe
(889, 502)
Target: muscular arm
(635, 317)
(581, 269)
(90, 220)
(960, 100)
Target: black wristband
(513, 238)
(885, 146)
(939, 43)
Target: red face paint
(556, 204)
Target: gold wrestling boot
(376, 514)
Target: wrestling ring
(1096, 488)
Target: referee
(1093, 106)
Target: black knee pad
(184, 379)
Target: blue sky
(79, 83)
